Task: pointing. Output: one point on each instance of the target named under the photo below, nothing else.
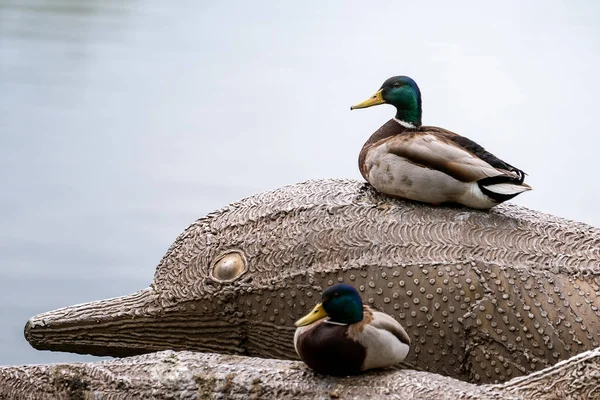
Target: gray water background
(121, 122)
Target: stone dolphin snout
(484, 296)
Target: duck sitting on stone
(341, 336)
(429, 164)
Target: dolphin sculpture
(484, 296)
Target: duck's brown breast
(328, 350)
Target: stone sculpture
(484, 296)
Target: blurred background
(121, 122)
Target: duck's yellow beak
(374, 100)
(316, 314)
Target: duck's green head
(341, 303)
(403, 93)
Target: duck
(433, 165)
(341, 336)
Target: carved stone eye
(229, 266)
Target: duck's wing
(475, 149)
(385, 322)
(436, 151)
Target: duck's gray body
(484, 296)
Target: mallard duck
(341, 336)
(430, 164)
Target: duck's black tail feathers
(502, 188)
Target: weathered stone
(188, 375)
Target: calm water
(123, 121)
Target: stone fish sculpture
(484, 296)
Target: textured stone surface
(484, 296)
(187, 375)
(575, 378)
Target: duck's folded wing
(437, 152)
(385, 322)
(475, 149)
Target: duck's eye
(397, 84)
(229, 266)
(336, 295)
